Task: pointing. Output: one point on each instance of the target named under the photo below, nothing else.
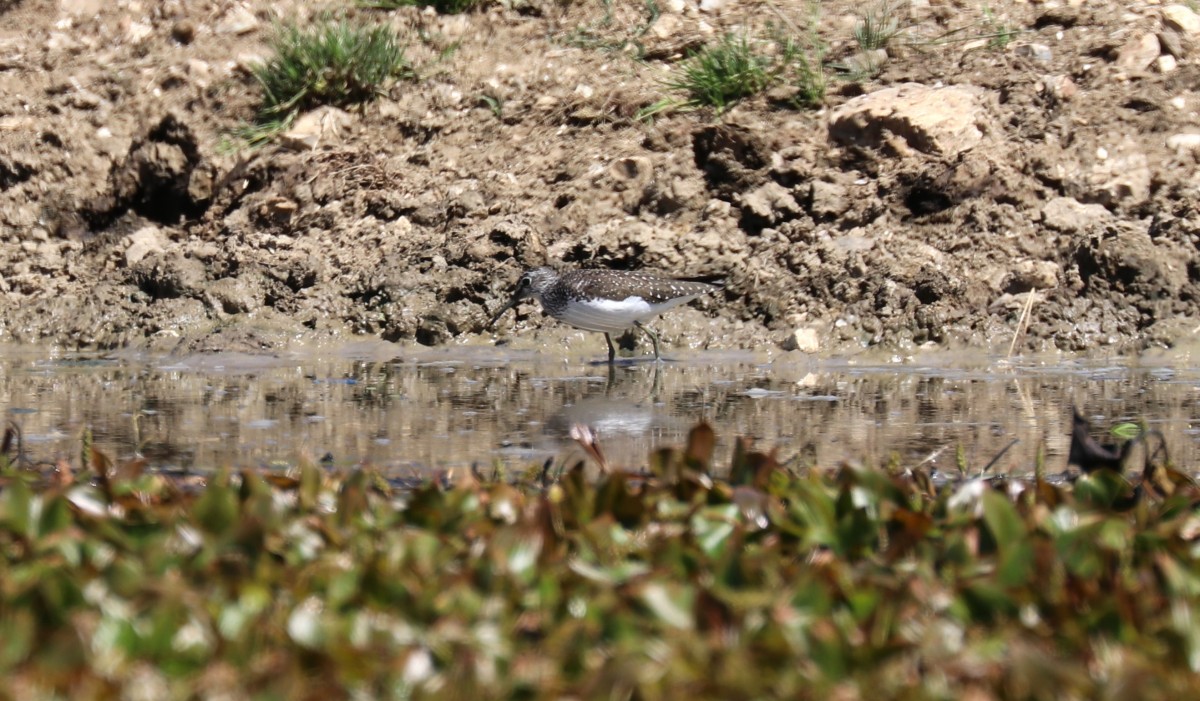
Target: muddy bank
(930, 204)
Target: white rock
(941, 121)
(1124, 176)
(867, 61)
(323, 124)
(804, 339)
(666, 25)
(137, 32)
(81, 8)
(1036, 274)
(239, 20)
(1184, 143)
(59, 41)
(1182, 19)
(1061, 86)
(1165, 63)
(142, 243)
(712, 6)
(1037, 52)
(1069, 215)
(198, 69)
(1138, 53)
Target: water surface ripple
(405, 411)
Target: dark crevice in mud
(14, 173)
(923, 200)
(163, 179)
(733, 158)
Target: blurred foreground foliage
(847, 583)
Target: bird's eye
(524, 282)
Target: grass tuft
(607, 34)
(722, 74)
(1000, 33)
(807, 61)
(334, 63)
(878, 26)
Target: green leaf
(216, 511)
(713, 526)
(1002, 519)
(56, 516)
(671, 604)
(17, 507)
(1015, 563)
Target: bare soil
(129, 216)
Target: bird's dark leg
(612, 352)
(653, 338)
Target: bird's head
(533, 283)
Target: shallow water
(413, 410)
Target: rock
(199, 71)
(170, 275)
(713, 6)
(1033, 275)
(1138, 53)
(1061, 87)
(1184, 143)
(48, 255)
(142, 243)
(137, 32)
(1182, 19)
(236, 295)
(1037, 52)
(1122, 176)
(829, 200)
(277, 209)
(868, 62)
(1068, 215)
(666, 26)
(60, 41)
(804, 339)
(938, 121)
(81, 8)
(324, 124)
(1165, 63)
(1173, 43)
(771, 203)
(238, 20)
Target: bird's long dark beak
(508, 305)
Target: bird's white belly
(612, 316)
